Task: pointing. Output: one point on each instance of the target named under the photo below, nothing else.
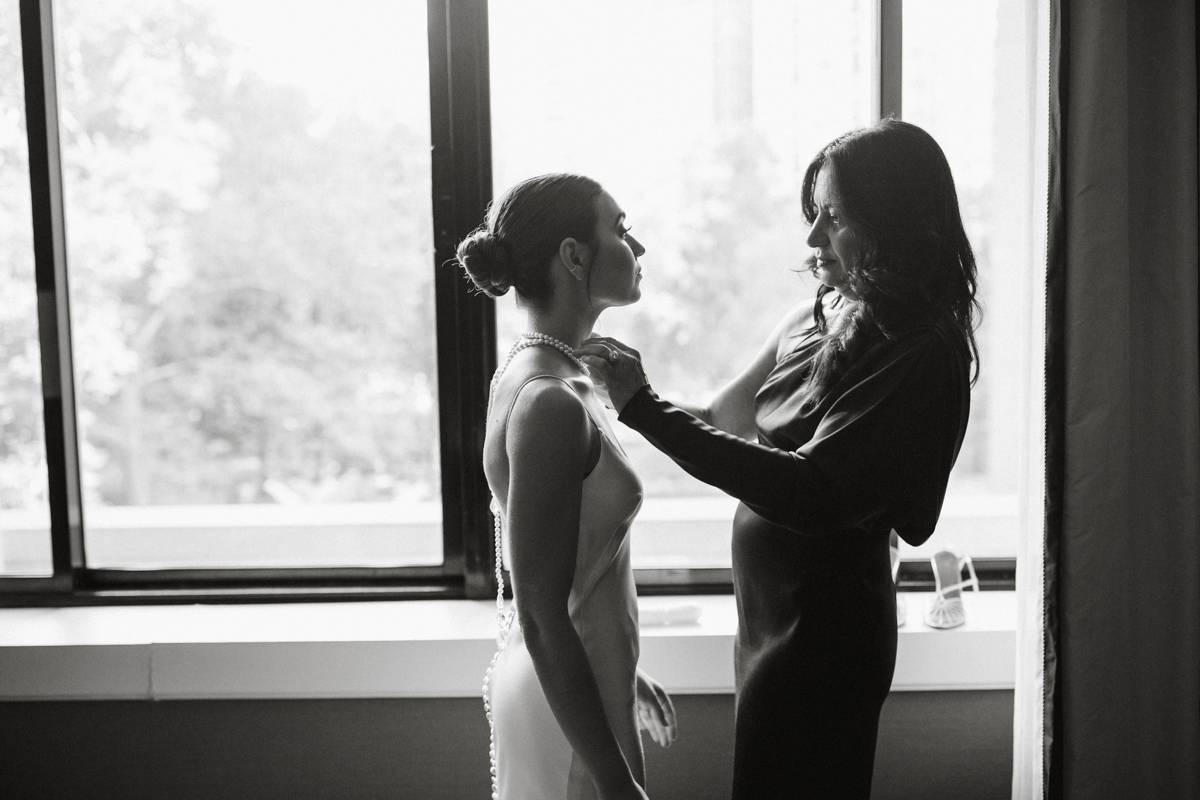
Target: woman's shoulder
(924, 356)
(926, 349)
(936, 337)
(797, 326)
(541, 384)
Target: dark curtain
(1122, 537)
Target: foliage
(251, 276)
(22, 451)
(250, 280)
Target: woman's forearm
(732, 409)
(702, 413)
(879, 458)
(724, 414)
(567, 680)
(765, 479)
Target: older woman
(857, 406)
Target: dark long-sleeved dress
(821, 490)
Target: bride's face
(615, 276)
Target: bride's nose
(638, 250)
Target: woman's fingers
(617, 366)
(656, 712)
(600, 371)
(623, 360)
(608, 341)
(668, 709)
(598, 365)
(646, 720)
(599, 386)
(596, 349)
(651, 718)
(652, 723)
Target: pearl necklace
(526, 340)
(504, 618)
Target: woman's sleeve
(880, 457)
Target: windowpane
(699, 117)
(24, 506)
(968, 80)
(250, 243)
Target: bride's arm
(548, 441)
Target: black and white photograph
(599, 400)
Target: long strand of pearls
(526, 340)
(504, 618)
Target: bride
(564, 695)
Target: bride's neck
(571, 328)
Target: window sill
(432, 648)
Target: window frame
(460, 126)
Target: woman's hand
(656, 712)
(616, 369)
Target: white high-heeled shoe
(946, 610)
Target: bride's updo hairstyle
(517, 242)
(915, 266)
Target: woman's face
(830, 236)
(615, 278)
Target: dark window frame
(466, 357)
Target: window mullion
(466, 334)
(50, 265)
(891, 58)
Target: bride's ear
(573, 255)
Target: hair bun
(485, 260)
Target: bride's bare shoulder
(526, 371)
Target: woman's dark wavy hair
(915, 266)
(514, 246)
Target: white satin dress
(534, 759)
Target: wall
(932, 745)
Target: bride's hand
(656, 712)
(615, 366)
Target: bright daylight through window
(249, 205)
(969, 79)
(705, 142)
(24, 508)
(250, 246)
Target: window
(968, 78)
(275, 384)
(250, 240)
(24, 505)
(704, 143)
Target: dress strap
(531, 379)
